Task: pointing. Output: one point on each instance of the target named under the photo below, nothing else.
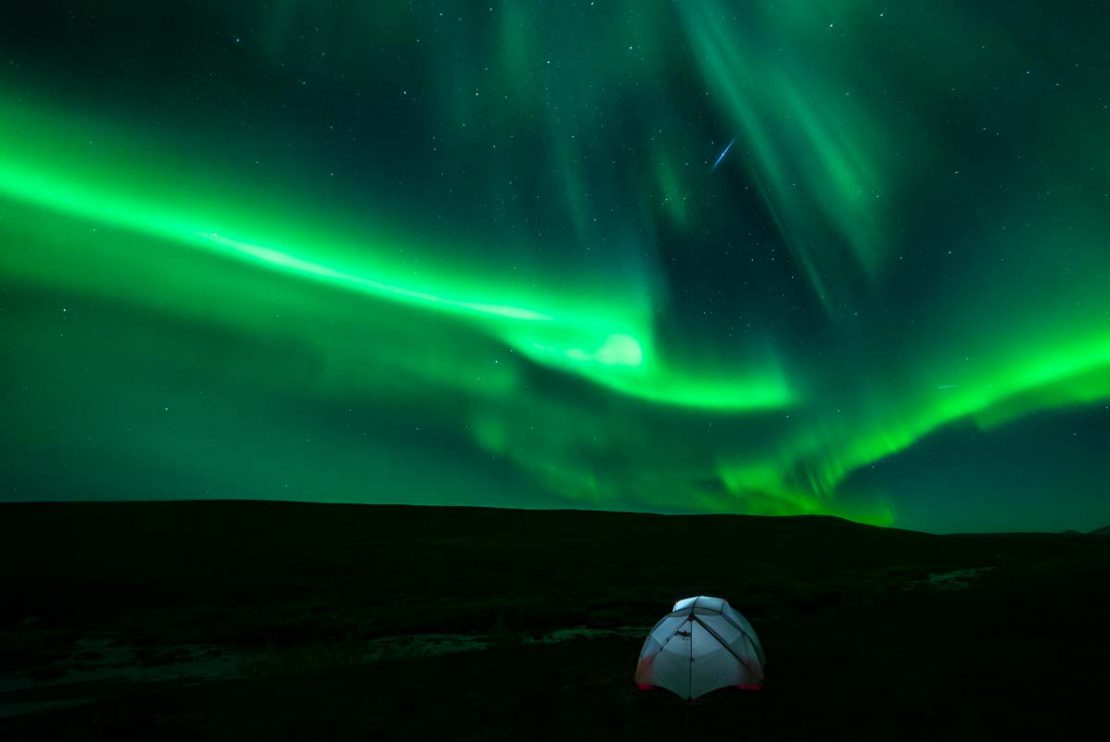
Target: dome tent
(701, 645)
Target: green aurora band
(485, 256)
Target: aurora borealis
(491, 254)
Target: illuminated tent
(701, 645)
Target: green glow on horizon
(490, 252)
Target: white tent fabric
(701, 645)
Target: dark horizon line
(592, 511)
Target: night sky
(800, 256)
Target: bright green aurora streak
(487, 255)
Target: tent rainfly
(701, 645)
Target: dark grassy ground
(860, 643)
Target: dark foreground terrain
(286, 621)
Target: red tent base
(750, 686)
